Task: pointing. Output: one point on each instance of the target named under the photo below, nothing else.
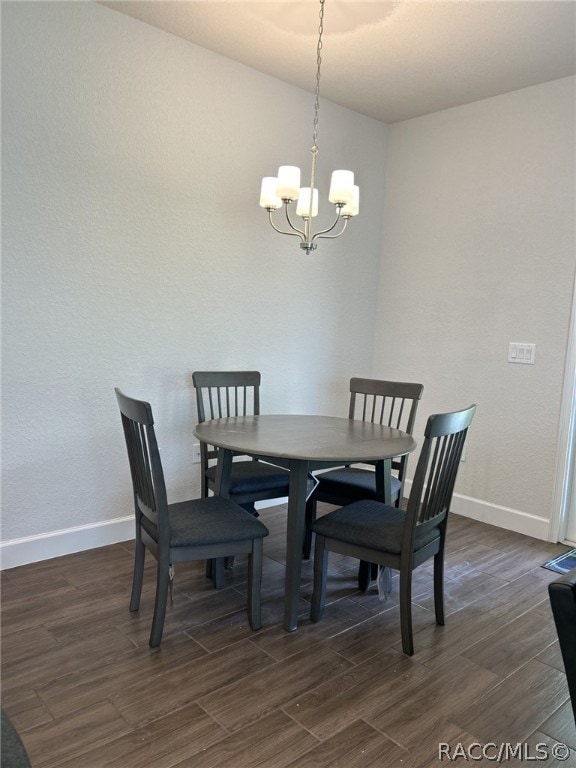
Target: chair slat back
(393, 403)
(144, 458)
(438, 465)
(224, 394)
(221, 394)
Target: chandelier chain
(317, 88)
(314, 149)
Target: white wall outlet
(521, 353)
(196, 453)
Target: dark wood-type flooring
(85, 691)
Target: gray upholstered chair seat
(208, 521)
(373, 525)
(352, 483)
(254, 477)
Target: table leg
(223, 473)
(384, 481)
(294, 539)
(221, 488)
(369, 571)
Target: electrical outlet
(196, 453)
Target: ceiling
(388, 60)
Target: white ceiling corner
(390, 60)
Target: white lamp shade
(341, 187)
(268, 196)
(288, 182)
(352, 208)
(303, 207)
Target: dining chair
(391, 537)
(393, 403)
(200, 529)
(223, 394)
(562, 596)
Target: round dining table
(302, 444)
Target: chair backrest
(220, 394)
(145, 466)
(393, 403)
(435, 476)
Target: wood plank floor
(85, 691)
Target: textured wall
(479, 251)
(134, 252)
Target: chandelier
(284, 189)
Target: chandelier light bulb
(303, 207)
(288, 182)
(268, 195)
(341, 187)
(352, 208)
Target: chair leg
(310, 518)
(254, 585)
(250, 507)
(320, 575)
(218, 572)
(406, 611)
(439, 588)
(367, 572)
(364, 574)
(139, 554)
(162, 582)
(215, 570)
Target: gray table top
(312, 438)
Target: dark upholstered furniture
(13, 753)
(562, 593)
(393, 403)
(386, 535)
(200, 529)
(221, 394)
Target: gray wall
(479, 251)
(134, 252)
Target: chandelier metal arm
(295, 233)
(324, 236)
(322, 232)
(301, 232)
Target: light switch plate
(521, 353)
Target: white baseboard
(44, 546)
(494, 514)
